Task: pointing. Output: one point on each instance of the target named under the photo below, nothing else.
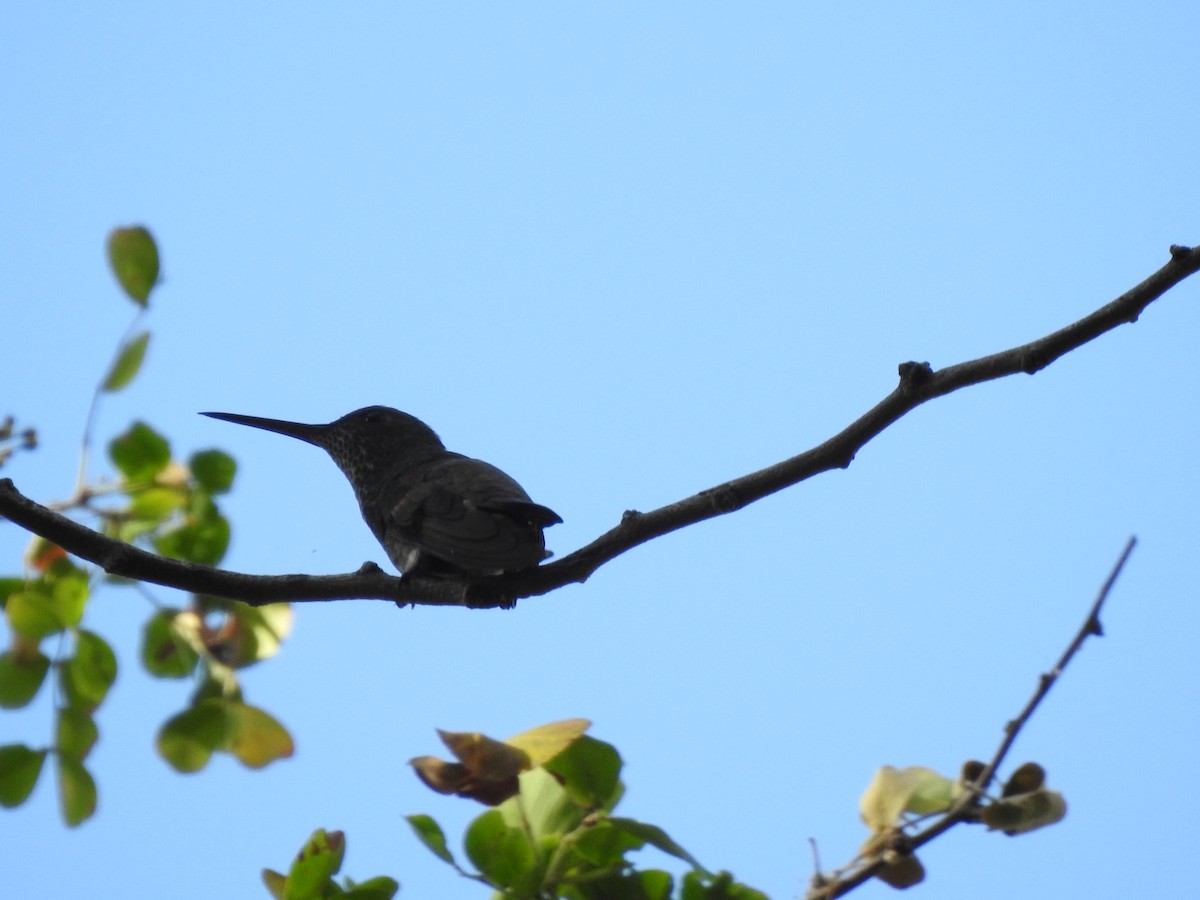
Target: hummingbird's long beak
(312, 434)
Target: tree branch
(966, 809)
(918, 383)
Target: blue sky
(626, 252)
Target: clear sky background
(626, 252)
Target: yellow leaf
(543, 743)
(893, 792)
(256, 738)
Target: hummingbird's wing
(471, 515)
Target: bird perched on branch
(435, 512)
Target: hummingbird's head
(369, 442)
(366, 444)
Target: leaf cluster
(166, 505)
(311, 874)
(554, 834)
(897, 800)
(37, 608)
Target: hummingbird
(436, 513)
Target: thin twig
(825, 888)
(1091, 626)
(80, 491)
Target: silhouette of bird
(435, 512)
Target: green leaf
(546, 804)
(503, 854)
(317, 862)
(203, 538)
(168, 643)
(140, 453)
(213, 470)
(9, 586)
(19, 770)
(618, 885)
(20, 677)
(187, 740)
(51, 603)
(700, 886)
(32, 614)
(256, 738)
(87, 676)
(76, 791)
(431, 835)
(656, 837)
(932, 793)
(590, 771)
(133, 256)
(604, 845)
(655, 884)
(69, 589)
(127, 364)
(155, 504)
(378, 888)
(127, 531)
(75, 734)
